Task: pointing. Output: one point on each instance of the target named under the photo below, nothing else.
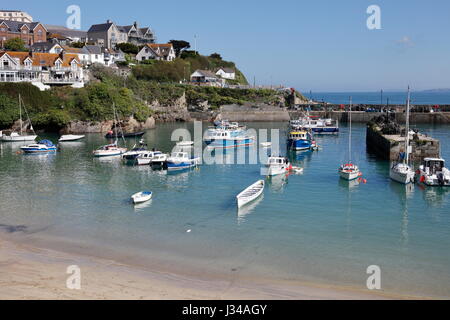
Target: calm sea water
(417, 98)
(310, 227)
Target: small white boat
(276, 166)
(297, 170)
(70, 137)
(109, 150)
(185, 143)
(266, 144)
(142, 197)
(147, 157)
(15, 137)
(434, 173)
(250, 194)
(159, 160)
(349, 172)
(181, 161)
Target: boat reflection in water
(435, 197)
(248, 209)
(349, 184)
(141, 207)
(277, 183)
(405, 193)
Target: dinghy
(141, 197)
(70, 137)
(250, 194)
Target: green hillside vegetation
(181, 68)
(53, 109)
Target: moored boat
(402, 171)
(16, 137)
(276, 166)
(159, 160)
(228, 135)
(142, 197)
(250, 194)
(135, 152)
(300, 140)
(181, 161)
(113, 134)
(433, 172)
(70, 137)
(109, 150)
(147, 157)
(349, 171)
(316, 125)
(43, 146)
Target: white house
(205, 77)
(41, 68)
(156, 51)
(226, 73)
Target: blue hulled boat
(43, 146)
(300, 140)
(228, 135)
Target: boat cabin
(277, 161)
(299, 135)
(433, 165)
(179, 155)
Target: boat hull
(68, 138)
(125, 135)
(230, 143)
(141, 197)
(299, 145)
(404, 175)
(349, 176)
(250, 194)
(18, 138)
(38, 150)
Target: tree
(216, 56)
(179, 46)
(128, 48)
(15, 44)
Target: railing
(61, 69)
(3, 68)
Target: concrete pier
(388, 147)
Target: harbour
(77, 203)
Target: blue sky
(320, 45)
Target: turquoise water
(310, 227)
(417, 97)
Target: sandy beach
(34, 273)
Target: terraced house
(109, 34)
(41, 69)
(30, 33)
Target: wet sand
(28, 272)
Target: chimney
(135, 24)
(108, 21)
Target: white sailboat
(349, 171)
(402, 171)
(110, 150)
(16, 137)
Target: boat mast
(350, 133)
(20, 114)
(407, 126)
